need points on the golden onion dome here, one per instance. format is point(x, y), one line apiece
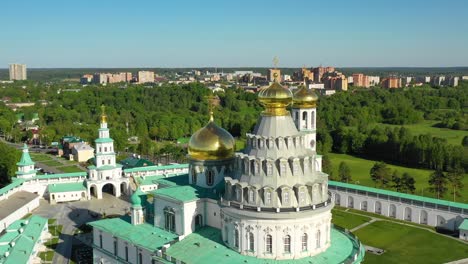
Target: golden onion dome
point(275, 98)
point(305, 98)
point(211, 142)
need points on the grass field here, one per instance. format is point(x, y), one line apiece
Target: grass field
point(347, 220)
point(67, 169)
point(405, 244)
point(360, 173)
point(427, 127)
point(40, 157)
point(52, 163)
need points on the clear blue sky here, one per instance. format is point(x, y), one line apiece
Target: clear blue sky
point(173, 33)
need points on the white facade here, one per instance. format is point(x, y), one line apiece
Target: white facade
point(298, 235)
point(19, 213)
point(105, 175)
point(305, 120)
point(399, 210)
point(18, 72)
point(61, 197)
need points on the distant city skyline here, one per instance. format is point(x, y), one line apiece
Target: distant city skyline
point(185, 34)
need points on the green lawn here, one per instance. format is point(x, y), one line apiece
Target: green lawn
point(40, 157)
point(55, 230)
point(347, 220)
point(360, 173)
point(67, 169)
point(427, 127)
point(405, 244)
point(52, 163)
point(47, 256)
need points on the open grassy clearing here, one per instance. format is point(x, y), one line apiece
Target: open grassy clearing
point(427, 127)
point(360, 173)
point(52, 163)
point(347, 220)
point(406, 244)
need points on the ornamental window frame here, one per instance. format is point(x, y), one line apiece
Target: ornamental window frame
point(287, 244)
point(169, 219)
point(268, 194)
point(269, 244)
point(251, 241)
point(269, 168)
point(210, 177)
point(283, 168)
point(304, 238)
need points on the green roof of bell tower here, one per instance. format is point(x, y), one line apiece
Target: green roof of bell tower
point(25, 158)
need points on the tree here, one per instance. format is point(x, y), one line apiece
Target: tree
point(455, 180)
point(344, 173)
point(8, 161)
point(465, 141)
point(407, 183)
point(380, 174)
point(327, 166)
point(438, 183)
point(396, 179)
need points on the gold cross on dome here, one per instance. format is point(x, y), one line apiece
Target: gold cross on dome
point(211, 104)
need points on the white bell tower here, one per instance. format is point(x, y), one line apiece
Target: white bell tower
point(304, 114)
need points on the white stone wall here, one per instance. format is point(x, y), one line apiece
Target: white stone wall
point(399, 210)
point(106, 253)
point(62, 197)
point(20, 212)
point(315, 225)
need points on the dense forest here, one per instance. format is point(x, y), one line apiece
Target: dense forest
point(348, 122)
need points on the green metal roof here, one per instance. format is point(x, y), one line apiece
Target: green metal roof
point(25, 158)
point(103, 140)
point(15, 182)
point(398, 194)
point(108, 167)
point(464, 225)
point(66, 187)
point(61, 175)
point(144, 236)
point(24, 242)
point(186, 193)
point(206, 246)
point(132, 162)
point(154, 168)
point(150, 180)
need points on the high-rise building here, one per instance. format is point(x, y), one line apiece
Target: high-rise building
point(361, 80)
point(17, 71)
point(320, 71)
point(274, 74)
point(336, 81)
point(391, 83)
point(145, 76)
point(374, 80)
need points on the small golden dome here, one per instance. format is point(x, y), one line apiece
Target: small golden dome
point(211, 142)
point(275, 98)
point(305, 98)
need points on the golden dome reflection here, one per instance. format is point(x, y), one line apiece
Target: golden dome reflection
point(211, 142)
point(305, 98)
point(275, 98)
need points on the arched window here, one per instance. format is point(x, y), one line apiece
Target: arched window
point(267, 197)
point(283, 168)
point(126, 253)
point(269, 244)
point(286, 197)
point(297, 116)
point(304, 242)
point(198, 221)
point(269, 166)
point(317, 239)
point(210, 178)
point(295, 168)
point(312, 120)
point(260, 143)
point(105, 149)
point(251, 242)
point(251, 196)
point(238, 194)
point(287, 244)
point(169, 217)
point(302, 198)
point(304, 115)
point(194, 176)
point(236, 238)
point(256, 168)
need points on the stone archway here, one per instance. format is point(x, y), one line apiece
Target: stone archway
point(109, 188)
point(123, 188)
point(337, 199)
point(364, 206)
point(392, 212)
point(93, 191)
point(350, 202)
point(408, 213)
point(378, 207)
point(423, 217)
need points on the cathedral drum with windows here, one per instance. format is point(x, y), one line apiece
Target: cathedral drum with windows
point(276, 203)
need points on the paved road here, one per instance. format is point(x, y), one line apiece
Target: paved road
point(71, 215)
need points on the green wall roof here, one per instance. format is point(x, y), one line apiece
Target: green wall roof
point(66, 187)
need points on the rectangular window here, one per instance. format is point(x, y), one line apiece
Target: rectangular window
point(269, 244)
point(286, 198)
point(267, 197)
point(283, 168)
